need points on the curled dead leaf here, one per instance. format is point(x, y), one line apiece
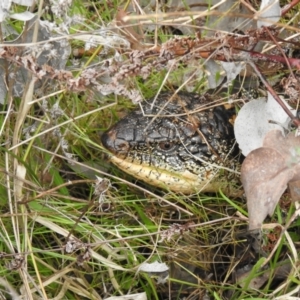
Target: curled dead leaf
point(294, 188)
point(266, 172)
point(288, 146)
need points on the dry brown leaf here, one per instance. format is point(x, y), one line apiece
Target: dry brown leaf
point(294, 188)
point(264, 177)
point(286, 145)
point(266, 173)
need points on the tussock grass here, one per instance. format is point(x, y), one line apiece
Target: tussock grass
point(67, 235)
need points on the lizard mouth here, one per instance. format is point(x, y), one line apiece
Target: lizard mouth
point(184, 182)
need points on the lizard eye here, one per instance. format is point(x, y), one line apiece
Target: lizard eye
point(166, 146)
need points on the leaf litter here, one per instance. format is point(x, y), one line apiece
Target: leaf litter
point(272, 156)
point(253, 122)
point(266, 173)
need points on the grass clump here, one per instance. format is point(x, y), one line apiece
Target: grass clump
point(73, 226)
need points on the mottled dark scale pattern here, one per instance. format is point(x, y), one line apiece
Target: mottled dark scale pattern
point(174, 136)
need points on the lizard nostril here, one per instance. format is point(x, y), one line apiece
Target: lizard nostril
point(114, 144)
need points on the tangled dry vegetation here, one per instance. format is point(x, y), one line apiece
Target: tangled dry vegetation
point(74, 227)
